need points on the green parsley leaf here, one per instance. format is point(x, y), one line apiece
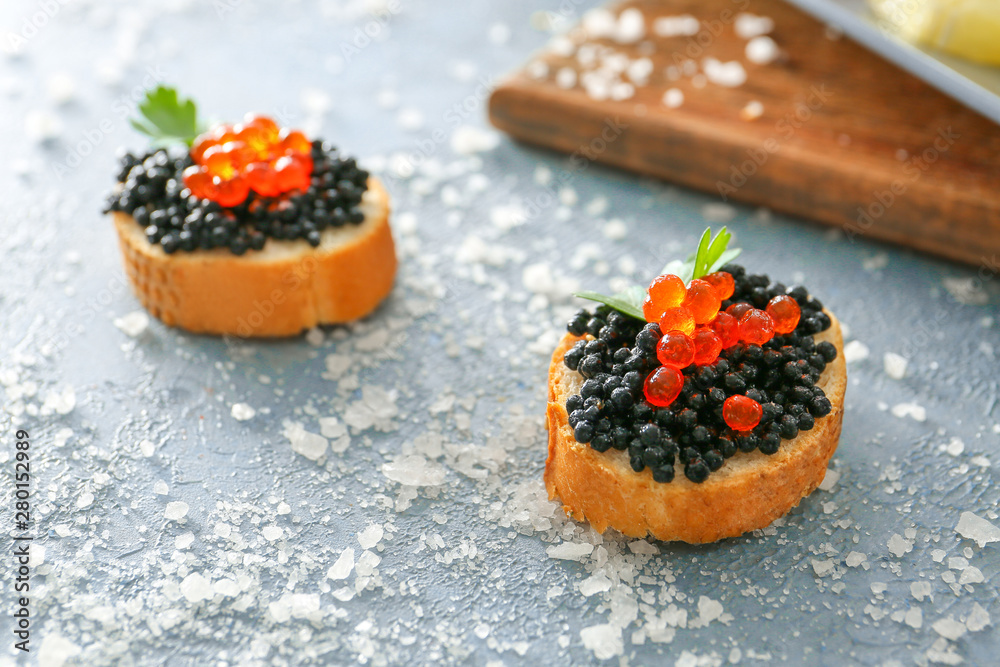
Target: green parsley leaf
point(167, 119)
point(710, 256)
point(628, 302)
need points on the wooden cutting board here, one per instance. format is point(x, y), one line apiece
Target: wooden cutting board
point(842, 137)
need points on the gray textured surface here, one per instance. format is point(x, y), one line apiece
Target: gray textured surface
point(464, 575)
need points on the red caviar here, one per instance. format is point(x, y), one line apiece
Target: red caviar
point(738, 308)
point(723, 282)
point(785, 313)
point(677, 319)
point(666, 291)
point(707, 345)
point(741, 413)
point(727, 328)
point(675, 349)
point(256, 154)
point(663, 386)
point(702, 300)
point(756, 327)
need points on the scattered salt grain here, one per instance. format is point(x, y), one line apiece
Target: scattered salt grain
point(599, 23)
point(343, 567)
point(414, 470)
point(566, 77)
point(914, 618)
point(196, 588)
point(605, 641)
point(899, 546)
point(643, 547)
point(147, 448)
point(371, 536)
point(469, 139)
point(55, 650)
point(310, 445)
point(855, 351)
point(570, 550)
point(242, 412)
point(673, 98)
point(949, 628)
point(920, 589)
point(822, 567)
point(978, 618)
point(410, 119)
point(830, 480)
point(912, 410)
point(974, 528)
point(160, 488)
point(175, 510)
point(85, 500)
point(631, 26)
point(272, 533)
point(748, 25)
point(762, 50)
point(684, 25)
point(594, 584)
point(182, 542)
point(894, 365)
point(709, 609)
point(133, 324)
point(499, 33)
point(967, 291)
point(855, 558)
point(955, 447)
point(753, 110)
point(729, 74)
point(718, 212)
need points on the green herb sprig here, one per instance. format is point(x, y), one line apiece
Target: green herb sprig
point(167, 119)
point(711, 255)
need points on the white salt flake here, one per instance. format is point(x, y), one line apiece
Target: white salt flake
point(343, 567)
point(272, 533)
point(949, 628)
point(615, 229)
point(147, 448)
point(894, 365)
point(85, 500)
point(182, 542)
point(643, 547)
point(855, 558)
point(729, 74)
point(822, 567)
point(673, 98)
point(920, 589)
point(978, 618)
point(684, 25)
point(242, 412)
point(414, 470)
point(912, 410)
point(748, 26)
point(371, 536)
point(709, 609)
point(605, 640)
point(830, 480)
point(914, 618)
point(762, 50)
point(974, 528)
point(310, 445)
point(196, 588)
point(366, 563)
point(226, 587)
point(133, 324)
point(595, 583)
point(971, 575)
point(631, 26)
point(175, 510)
point(855, 351)
point(160, 488)
point(899, 546)
point(55, 650)
point(469, 139)
point(955, 447)
point(570, 550)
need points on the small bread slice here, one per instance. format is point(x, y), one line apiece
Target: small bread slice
point(748, 492)
point(280, 290)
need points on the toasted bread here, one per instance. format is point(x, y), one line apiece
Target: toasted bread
point(279, 290)
point(749, 492)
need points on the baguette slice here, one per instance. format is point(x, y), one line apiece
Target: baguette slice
point(748, 492)
point(280, 290)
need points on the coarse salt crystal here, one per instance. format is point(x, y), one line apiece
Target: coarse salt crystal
point(343, 567)
point(570, 550)
point(175, 510)
point(469, 139)
point(371, 536)
point(912, 410)
point(242, 412)
point(684, 25)
point(729, 74)
point(762, 50)
point(605, 640)
point(133, 324)
point(749, 25)
point(894, 365)
point(975, 528)
point(899, 546)
point(673, 98)
point(855, 351)
point(753, 110)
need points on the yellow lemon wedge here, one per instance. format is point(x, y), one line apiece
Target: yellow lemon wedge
point(966, 28)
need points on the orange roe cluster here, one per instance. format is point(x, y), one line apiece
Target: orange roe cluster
point(257, 155)
point(695, 331)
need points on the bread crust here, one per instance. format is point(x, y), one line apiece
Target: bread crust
point(286, 287)
point(748, 492)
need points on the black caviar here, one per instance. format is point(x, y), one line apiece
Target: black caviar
point(152, 191)
point(611, 412)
